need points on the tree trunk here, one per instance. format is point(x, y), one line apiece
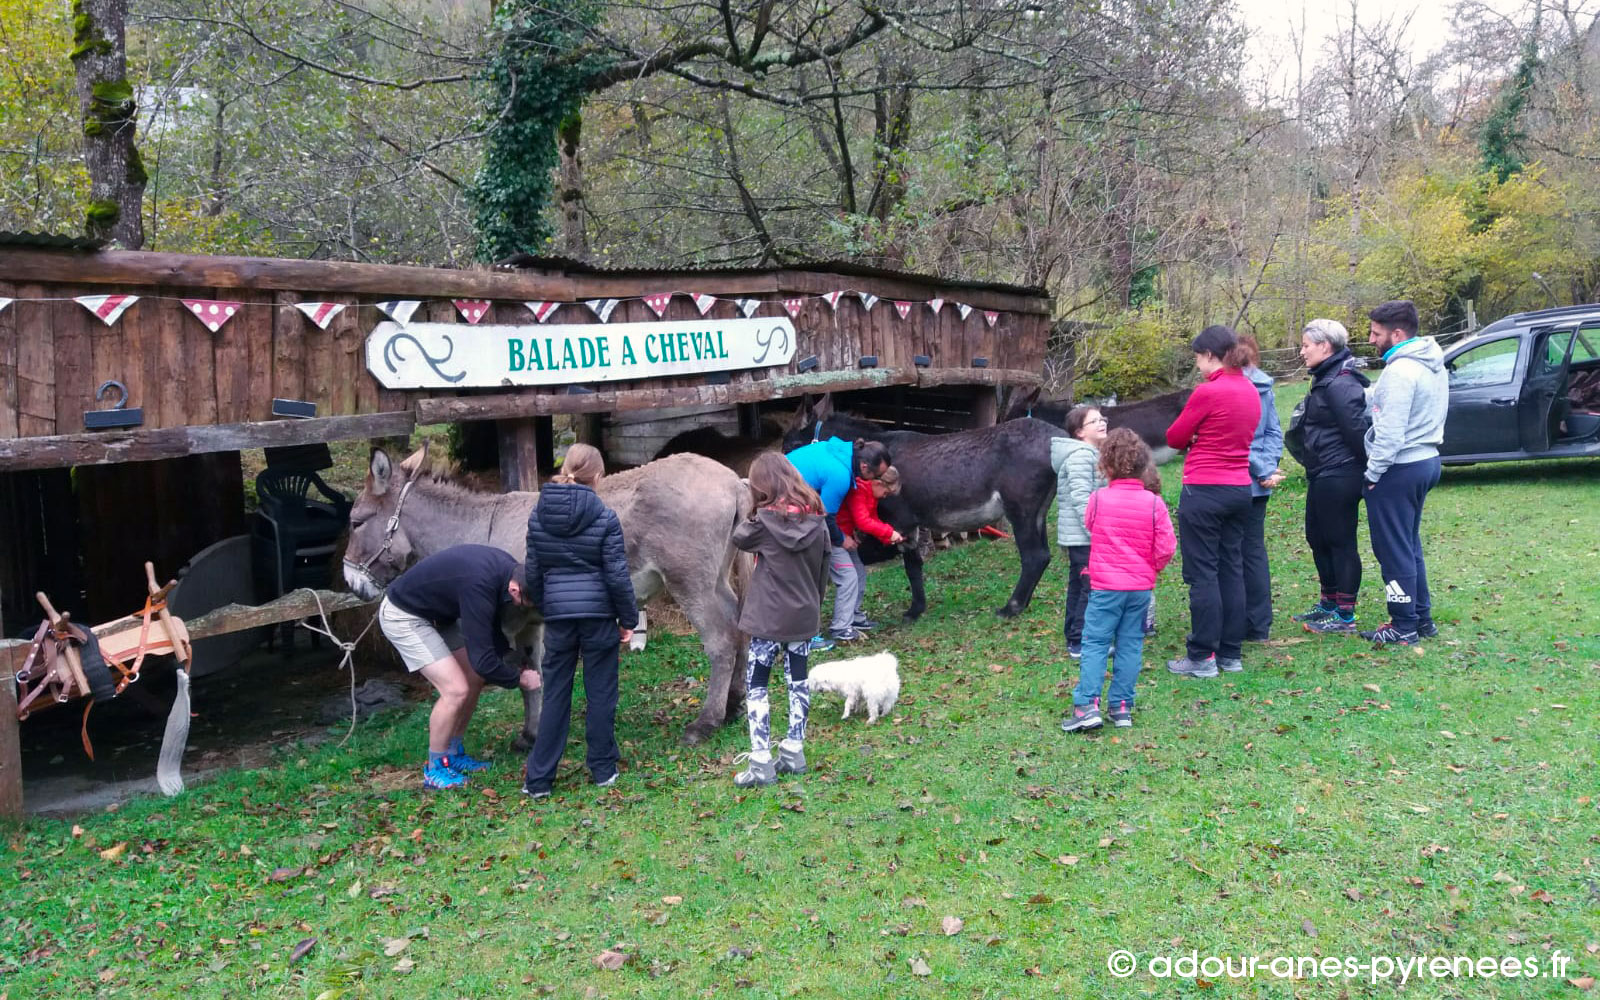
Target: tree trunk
point(574, 238)
point(106, 103)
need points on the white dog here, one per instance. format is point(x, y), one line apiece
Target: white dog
point(870, 680)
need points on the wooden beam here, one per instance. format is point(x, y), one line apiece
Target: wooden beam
point(110, 447)
point(10, 745)
point(507, 406)
point(930, 377)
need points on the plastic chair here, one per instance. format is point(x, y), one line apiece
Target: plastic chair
point(295, 534)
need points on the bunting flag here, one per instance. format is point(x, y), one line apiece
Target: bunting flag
point(749, 306)
point(108, 307)
point(472, 310)
point(704, 302)
point(542, 310)
point(793, 307)
point(990, 317)
point(399, 310)
point(903, 308)
point(4, 303)
point(602, 308)
point(833, 299)
point(212, 312)
point(936, 305)
point(964, 309)
point(657, 301)
point(868, 300)
point(320, 313)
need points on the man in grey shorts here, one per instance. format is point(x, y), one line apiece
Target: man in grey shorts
point(443, 615)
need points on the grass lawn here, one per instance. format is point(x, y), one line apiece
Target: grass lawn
point(1330, 801)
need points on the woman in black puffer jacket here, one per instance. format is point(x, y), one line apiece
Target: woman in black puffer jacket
point(1326, 436)
point(577, 576)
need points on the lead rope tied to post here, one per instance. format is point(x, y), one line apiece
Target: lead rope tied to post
point(346, 662)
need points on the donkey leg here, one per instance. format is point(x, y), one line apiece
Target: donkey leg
point(716, 619)
point(911, 559)
point(1033, 550)
point(640, 634)
point(532, 701)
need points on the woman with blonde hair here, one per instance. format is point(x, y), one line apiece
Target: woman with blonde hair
point(577, 576)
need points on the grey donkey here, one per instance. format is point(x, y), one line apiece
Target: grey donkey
point(678, 515)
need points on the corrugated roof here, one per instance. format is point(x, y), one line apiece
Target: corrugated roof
point(845, 267)
point(48, 241)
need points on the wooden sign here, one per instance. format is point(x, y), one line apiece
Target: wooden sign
point(457, 356)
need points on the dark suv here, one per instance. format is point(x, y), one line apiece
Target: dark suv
point(1527, 386)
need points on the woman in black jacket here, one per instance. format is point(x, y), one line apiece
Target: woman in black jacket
point(577, 575)
point(1326, 436)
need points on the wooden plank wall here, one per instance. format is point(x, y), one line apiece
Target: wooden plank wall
point(55, 354)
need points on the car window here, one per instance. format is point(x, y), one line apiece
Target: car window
point(1588, 347)
point(1486, 364)
point(1555, 349)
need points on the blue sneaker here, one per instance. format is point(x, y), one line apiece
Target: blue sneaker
point(440, 777)
point(465, 763)
point(821, 644)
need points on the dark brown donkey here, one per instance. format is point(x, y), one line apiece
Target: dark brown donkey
point(678, 516)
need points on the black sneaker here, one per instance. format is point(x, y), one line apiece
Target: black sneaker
point(1083, 717)
point(1075, 650)
point(863, 624)
point(847, 634)
point(1335, 625)
point(1318, 613)
point(1428, 630)
point(536, 793)
point(1388, 635)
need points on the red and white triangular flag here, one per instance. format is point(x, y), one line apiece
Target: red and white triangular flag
point(793, 307)
point(472, 310)
point(990, 317)
point(399, 310)
point(749, 306)
point(936, 305)
point(903, 308)
point(4, 303)
point(867, 300)
point(704, 302)
point(542, 310)
point(320, 313)
point(212, 312)
point(108, 307)
point(602, 307)
point(833, 299)
point(657, 301)
point(964, 309)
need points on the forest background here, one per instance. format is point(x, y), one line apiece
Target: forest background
point(1139, 159)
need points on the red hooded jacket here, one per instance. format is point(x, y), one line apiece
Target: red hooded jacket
point(859, 512)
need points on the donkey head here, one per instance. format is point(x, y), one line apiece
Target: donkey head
point(802, 429)
point(379, 549)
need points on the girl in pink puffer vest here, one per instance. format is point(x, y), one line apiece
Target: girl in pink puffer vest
point(1130, 543)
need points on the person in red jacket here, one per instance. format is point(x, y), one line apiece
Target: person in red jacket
point(1215, 428)
point(859, 513)
point(1130, 543)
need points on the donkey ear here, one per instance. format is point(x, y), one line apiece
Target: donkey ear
point(414, 462)
point(378, 472)
point(824, 408)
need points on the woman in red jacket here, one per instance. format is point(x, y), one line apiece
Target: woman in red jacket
point(859, 513)
point(1215, 428)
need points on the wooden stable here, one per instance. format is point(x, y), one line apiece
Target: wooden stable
point(78, 505)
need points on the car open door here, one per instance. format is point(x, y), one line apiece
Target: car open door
point(1541, 404)
point(1483, 398)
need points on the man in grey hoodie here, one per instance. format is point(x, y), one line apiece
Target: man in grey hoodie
point(1409, 404)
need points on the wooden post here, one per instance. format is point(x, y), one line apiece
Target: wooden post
point(10, 743)
point(544, 446)
point(519, 454)
point(985, 407)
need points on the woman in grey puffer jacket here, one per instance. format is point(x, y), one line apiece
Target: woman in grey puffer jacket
point(1076, 460)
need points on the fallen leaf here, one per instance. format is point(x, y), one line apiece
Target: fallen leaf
point(1309, 927)
point(114, 852)
point(1353, 894)
point(1038, 899)
point(1421, 809)
point(1032, 970)
point(1582, 982)
point(354, 890)
point(992, 940)
point(381, 891)
point(611, 960)
point(1502, 877)
point(395, 946)
point(1106, 841)
point(106, 975)
point(404, 966)
point(77, 831)
point(1501, 816)
point(1375, 689)
point(1542, 896)
point(920, 968)
point(1447, 734)
point(302, 949)
point(245, 851)
point(1413, 880)
point(952, 926)
point(283, 874)
point(997, 668)
point(1068, 859)
point(672, 900)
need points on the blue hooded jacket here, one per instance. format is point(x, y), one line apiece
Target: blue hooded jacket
point(825, 466)
point(1266, 448)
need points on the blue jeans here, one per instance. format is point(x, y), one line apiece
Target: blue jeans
point(1112, 615)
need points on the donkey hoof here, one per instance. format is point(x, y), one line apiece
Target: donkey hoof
point(694, 736)
point(523, 743)
point(910, 618)
point(1009, 611)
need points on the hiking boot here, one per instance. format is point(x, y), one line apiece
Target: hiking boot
point(755, 773)
point(1230, 666)
point(791, 761)
point(1336, 624)
point(820, 644)
point(863, 624)
point(1388, 635)
point(465, 763)
point(1122, 714)
point(536, 793)
point(1427, 629)
point(846, 634)
point(1185, 667)
point(1075, 650)
point(1083, 717)
point(440, 777)
point(1318, 613)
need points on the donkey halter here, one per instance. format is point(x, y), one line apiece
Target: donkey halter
point(391, 527)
